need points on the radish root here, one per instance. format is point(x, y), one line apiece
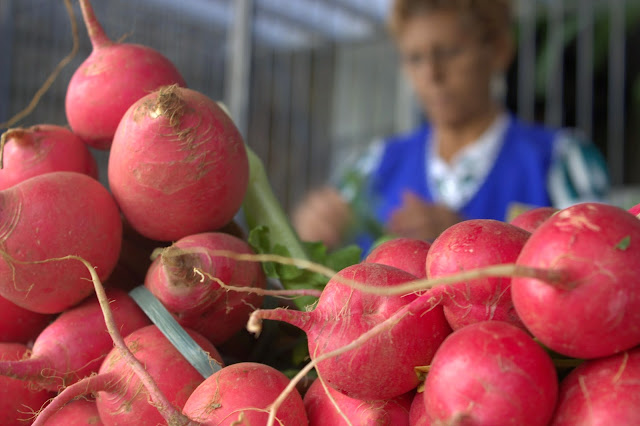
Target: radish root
point(173, 416)
point(48, 82)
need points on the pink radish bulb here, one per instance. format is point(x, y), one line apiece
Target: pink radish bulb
point(55, 215)
point(594, 311)
point(19, 325)
point(177, 166)
point(604, 391)
point(418, 415)
point(192, 297)
point(110, 80)
point(408, 254)
point(383, 366)
point(531, 219)
point(81, 412)
point(469, 245)
point(241, 394)
point(491, 373)
point(19, 399)
point(75, 344)
point(42, 149)
point(635, 210)
point(121, 397)
point(321, 411)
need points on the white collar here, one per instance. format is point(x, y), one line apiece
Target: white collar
point(455, 183)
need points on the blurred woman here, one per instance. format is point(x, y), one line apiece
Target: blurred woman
point(470, 157)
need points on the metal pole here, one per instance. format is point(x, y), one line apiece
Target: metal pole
point(554, 111)
point(527, 59)
point(584, 69)
point(239, 48)
point(616, 110)
point(6, 47)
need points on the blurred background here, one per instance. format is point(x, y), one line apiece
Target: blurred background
point(312, 82)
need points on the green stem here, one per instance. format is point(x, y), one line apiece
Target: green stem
point(261, 208)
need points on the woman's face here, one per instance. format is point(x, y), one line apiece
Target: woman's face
point(450, 66)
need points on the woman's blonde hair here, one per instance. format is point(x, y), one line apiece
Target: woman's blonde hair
point(492, 17)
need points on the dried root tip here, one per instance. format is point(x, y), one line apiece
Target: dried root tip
point(169, 104)
point(254, 325)
point(179, 266)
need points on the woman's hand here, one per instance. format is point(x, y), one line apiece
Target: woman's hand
point(322, 216)
point(419, 219)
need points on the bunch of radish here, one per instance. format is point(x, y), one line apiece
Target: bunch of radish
point(530, 322)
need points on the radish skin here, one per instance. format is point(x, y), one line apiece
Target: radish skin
point(49, 216)
point(75, 344)
point(321, 410)
point(19, 325)
point(604, 391)
point(19, 399)
point(470, 245)
point(382, 366)
point(42, 149)
point(81, 412)
point(121, 397)
point(109, 81)
point(491, 373)
point(595, 311)
point(408, 254)
point(241, 394)
point(177, 165)
point(530, 220)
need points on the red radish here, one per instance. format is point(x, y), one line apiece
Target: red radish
point(491, 373)
point(178, 165)
point(110, 80)
point(408, 254)
point(18, 398)
point(81, 412)
point(75, 344)
point(240, 394)
point(635, 210)
point(469, 245)
point(121, 397)
point(418, 415)
point(321, 410)
point(531, 219)
point(200, 303)
point(382, 366)
point(595, 310)
point(19, 325)
point(603, 391)
point(42, 149)
point(54, 215)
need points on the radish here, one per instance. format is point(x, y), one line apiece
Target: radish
point(49, 216)
point(603, 391)
point(469, 245)
point(121, 397)
point(177, 165)
point(109, 81)
point(75, 344)
point(635, 210)
point(191, 298)
point(41, 149)
point(240, 394)
point(18, 398)
point(408, 254)
point(19, 325)
point(81, 412)
point(531, 219)
point(595, 310)
point(491, 373)
point(418, 415)
point(321, 403)
point(382, 366)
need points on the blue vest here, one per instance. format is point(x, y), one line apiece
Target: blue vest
point(519, 174)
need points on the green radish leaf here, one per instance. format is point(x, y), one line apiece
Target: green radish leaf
point(624, 243)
